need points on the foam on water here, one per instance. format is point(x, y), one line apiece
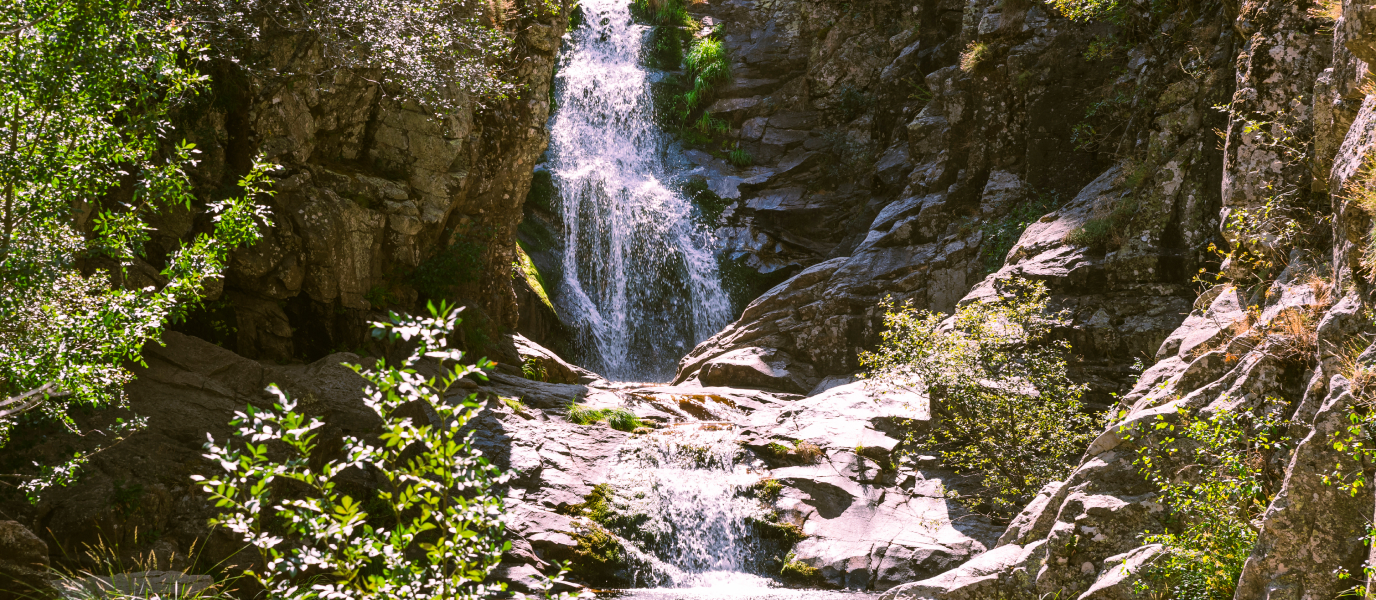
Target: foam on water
point(640, 283)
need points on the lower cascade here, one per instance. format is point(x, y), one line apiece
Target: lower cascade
point(684, 496)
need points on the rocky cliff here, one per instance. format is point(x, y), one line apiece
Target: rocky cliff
point(378, 204)
point(1186, 178)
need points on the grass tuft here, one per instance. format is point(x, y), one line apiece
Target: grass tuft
point(975, 55)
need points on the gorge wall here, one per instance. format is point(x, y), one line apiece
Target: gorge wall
point(377, 203)
point(899, 143)
point(919, 150)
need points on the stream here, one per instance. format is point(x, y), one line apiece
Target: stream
point(640, 288)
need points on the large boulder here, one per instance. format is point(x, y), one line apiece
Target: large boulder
point(759, 368)
point(24, 571)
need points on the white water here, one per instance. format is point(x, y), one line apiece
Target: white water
point(640, 283)
point(690, 490)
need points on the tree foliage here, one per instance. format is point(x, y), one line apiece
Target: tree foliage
point(435, 527)
point(1005, 411)
point(441, 54)
point(86, 157)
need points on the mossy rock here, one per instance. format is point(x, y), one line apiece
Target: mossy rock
point(799, 573)
point(599, 558)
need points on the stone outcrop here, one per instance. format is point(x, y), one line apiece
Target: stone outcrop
point(933, 169)
point(23, 563)
point(379, 204)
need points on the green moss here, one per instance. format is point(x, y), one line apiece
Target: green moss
point(799, 573)
point(770, 528)
point(515, 404)
point(532, 275)
point(1107, 232)
point(776, 449)
point(768, 490)
point(598, 557)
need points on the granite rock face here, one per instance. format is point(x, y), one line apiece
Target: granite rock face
point(378, 203)
point(886, 170)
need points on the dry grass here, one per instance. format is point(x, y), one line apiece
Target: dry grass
point(1361, 376)
point(1326, 10)
point(974, 55)
point(809, 452)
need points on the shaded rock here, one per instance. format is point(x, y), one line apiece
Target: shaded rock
point(23, 564)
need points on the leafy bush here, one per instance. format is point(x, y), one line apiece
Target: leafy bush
point(1087, 10)
point(1210, 475)
point(662, 12)
point(1007, 413)
point(665, 47)
point(88, 89)
point(439, 530)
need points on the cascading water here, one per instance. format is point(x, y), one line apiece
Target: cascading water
point(640, 283)
point(686, 495)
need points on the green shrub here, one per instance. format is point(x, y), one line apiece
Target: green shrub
point(1210, 473)
point(1006, 411)
point(439, 529)
point(672, 13)
point(1088, 10)
point(768, 489)
point(665, 47)
point(1000, 235)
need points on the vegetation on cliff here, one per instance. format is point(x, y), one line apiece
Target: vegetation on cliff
point(93, 167)
point(1007, 416)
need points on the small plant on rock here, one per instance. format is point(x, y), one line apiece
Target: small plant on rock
point(974, 56)
point(439, 530)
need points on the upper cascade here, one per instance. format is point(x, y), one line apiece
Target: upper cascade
point(640, 283)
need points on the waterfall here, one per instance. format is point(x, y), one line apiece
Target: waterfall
point(640, 284)
point(687, 500)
